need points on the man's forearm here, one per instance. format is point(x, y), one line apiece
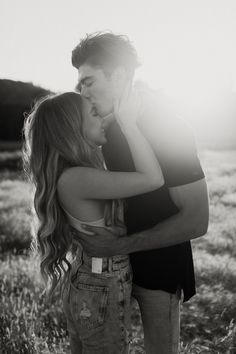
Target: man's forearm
point(174, 230)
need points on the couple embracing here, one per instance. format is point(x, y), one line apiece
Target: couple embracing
point(119, 194)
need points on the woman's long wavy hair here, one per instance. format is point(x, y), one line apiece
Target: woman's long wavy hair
point(55, 141)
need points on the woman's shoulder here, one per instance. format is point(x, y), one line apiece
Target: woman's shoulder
point(74, 175)
point(75, 171)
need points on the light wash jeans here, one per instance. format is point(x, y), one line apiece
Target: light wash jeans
point(161, 320)
point(97, 307)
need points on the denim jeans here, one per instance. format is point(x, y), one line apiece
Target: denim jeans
point(97, 307)
point(160, 318)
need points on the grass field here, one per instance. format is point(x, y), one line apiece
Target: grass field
point(29, 324)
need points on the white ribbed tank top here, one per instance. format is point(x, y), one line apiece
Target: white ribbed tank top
point(77, 224)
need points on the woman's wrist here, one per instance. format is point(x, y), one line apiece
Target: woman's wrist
point(128, 126)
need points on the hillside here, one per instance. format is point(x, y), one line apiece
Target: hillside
point(18, 92)
point(16, 99)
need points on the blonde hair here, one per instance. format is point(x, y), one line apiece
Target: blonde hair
point(55, 141)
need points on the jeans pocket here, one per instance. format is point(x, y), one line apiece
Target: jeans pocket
point(88, 304)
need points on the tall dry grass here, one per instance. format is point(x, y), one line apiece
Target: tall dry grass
point(30, 324)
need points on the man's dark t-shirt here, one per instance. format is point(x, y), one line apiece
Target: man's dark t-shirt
point(167, 268)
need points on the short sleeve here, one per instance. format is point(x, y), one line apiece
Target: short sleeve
point(177, 154)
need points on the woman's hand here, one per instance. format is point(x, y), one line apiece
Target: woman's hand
point(128, 107)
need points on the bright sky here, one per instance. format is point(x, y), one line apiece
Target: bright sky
point(181, 44)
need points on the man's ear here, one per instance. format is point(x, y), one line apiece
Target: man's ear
point(119, 75)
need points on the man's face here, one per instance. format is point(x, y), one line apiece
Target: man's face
point(97, 88)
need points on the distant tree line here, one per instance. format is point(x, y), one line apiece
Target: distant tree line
point(16, 100)
point(214, 122)
point(11, 121)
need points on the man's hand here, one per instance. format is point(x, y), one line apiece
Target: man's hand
point(98, 241)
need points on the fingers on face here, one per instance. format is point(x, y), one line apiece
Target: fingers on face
point(124, 97)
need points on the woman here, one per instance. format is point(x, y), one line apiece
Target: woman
point(62, 155)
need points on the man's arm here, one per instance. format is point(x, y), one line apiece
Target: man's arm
point(189, 223)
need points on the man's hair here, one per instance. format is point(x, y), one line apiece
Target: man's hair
point(106, 50)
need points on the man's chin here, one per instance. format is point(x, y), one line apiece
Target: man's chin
point(101, 142)
point(104, 141)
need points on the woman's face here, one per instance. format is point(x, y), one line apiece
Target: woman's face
point(93, 126)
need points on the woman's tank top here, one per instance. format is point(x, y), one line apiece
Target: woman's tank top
point(96, 263)
point(77, 224)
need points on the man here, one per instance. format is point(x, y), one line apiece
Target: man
point(160, 224)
